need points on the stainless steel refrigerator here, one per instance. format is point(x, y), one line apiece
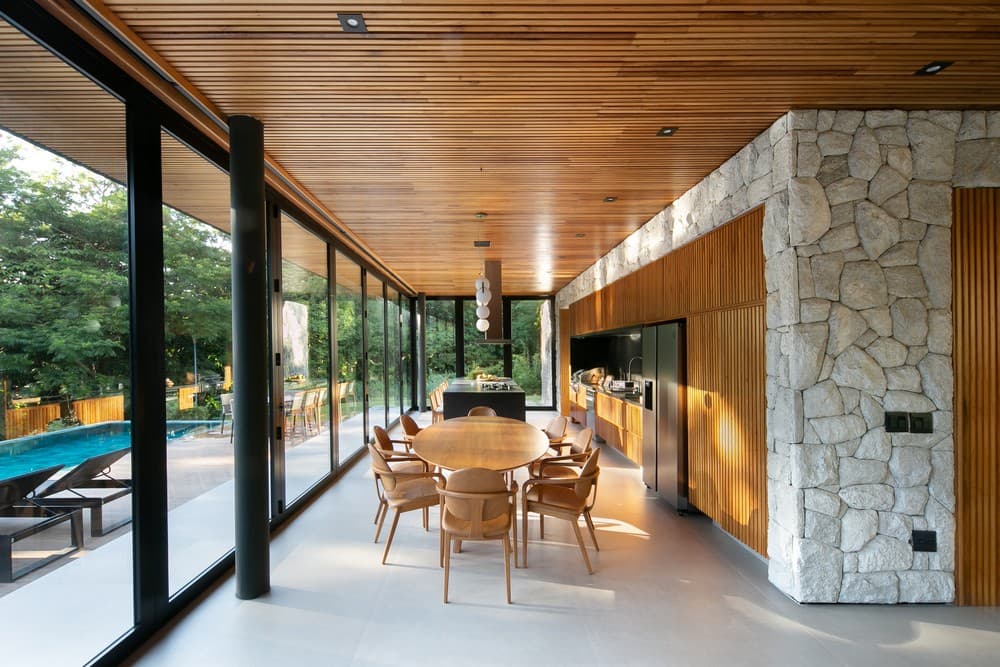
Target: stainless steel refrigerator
point(664, 414)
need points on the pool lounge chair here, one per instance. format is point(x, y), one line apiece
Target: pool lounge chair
point(89, 485)
point(17, 502)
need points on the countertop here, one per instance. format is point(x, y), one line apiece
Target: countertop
point(634, 399)
point(472, 387)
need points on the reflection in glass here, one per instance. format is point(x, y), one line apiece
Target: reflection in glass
point(394, 383)
point(376, 353)
point(350, 353)
point(198, 356)
point(305, 323)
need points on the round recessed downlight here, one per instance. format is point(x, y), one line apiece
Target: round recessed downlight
point(353, 22)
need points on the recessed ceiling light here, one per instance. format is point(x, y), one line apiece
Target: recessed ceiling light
point(933, 68)
point(481, 244)
point(481, 215)
point(667, 132)
point(610, 199)
point(352, 22)
point(580, 235)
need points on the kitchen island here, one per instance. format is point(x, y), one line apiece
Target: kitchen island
point(506, 398)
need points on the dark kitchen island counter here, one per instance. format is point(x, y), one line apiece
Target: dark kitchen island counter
point(462, 395)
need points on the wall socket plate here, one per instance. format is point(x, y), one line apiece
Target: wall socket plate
point(921, 422)
point(897, 422)
point(924, 540)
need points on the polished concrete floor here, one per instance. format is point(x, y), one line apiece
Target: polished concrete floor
point(667, 590)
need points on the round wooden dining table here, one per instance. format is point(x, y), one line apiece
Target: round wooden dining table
point(496, 443)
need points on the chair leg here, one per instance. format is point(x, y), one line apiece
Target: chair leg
point(524, 534)
point(426, 514)
point(583, 549)
point(593, 534)
point(513, 531)
point(447, 568)
point(378, 512)
point(506, 563)
point(541, 526)
point(385, 510)
point(440, 547)
point(392, 532)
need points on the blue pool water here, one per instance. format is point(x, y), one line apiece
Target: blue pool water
point(75, 445)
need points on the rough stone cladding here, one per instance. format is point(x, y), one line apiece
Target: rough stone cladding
point(857, 247)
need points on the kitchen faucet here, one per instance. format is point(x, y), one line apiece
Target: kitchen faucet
point(630, 366)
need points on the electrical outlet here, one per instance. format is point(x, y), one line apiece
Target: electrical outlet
point(924, 540)
point(897, 422)
point(921, 422)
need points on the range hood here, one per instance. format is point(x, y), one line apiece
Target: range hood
point(494, 334)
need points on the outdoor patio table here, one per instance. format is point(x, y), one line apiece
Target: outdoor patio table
point(497, 443)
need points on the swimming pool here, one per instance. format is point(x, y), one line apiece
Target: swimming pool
point(74, 445)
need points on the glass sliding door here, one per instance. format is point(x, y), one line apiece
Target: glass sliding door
point(394, 381)
point(305, 359)
point(65, 373)
point(531, 332)
point(198, 355)
point(439, 331)
point(349, 397)
point(406, 353)
point(375, 331)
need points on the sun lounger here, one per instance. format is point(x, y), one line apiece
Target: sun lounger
point(89, 485)
point(17, 502)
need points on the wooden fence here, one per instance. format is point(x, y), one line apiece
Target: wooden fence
point(32, 419)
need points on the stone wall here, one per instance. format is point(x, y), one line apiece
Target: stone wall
point(857, 246)
point(858, 268)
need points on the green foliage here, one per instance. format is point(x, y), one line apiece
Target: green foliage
point(64, 286)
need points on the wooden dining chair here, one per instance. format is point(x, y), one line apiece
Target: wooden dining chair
point(402, 492)
point(564, 499)
point(482, 411)
point(477, 504)
point(569, 463)
point(410, 429)
point(437, 410)
point(555, 430)
point(398, 461)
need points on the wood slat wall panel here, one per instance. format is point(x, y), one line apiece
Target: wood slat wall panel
point(722, 269)
point(975, 251)
point(101, 409)
point(716, 282)
point(29, 420)
point(565, 326)
point(727, 452)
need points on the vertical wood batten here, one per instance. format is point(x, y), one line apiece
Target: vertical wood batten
point(716, 283)
point(976, 307)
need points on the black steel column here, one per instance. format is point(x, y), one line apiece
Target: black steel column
point(421, 352)
point(251, 360)
point(149, 412)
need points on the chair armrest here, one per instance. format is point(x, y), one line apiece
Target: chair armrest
point(540, 481)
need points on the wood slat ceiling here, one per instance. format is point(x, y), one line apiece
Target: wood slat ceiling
point(534, 111)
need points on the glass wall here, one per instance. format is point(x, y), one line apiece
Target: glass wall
point(531, 332)
point(198, 355)
point(375, 330)
point(305, 358)
point(440, 341)
point(394, 381)
point(65, 373)
point(480, 359)
point(406, 353)
point(350, 358)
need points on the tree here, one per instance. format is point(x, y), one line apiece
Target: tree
point(64, 286)
point(63, 281)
